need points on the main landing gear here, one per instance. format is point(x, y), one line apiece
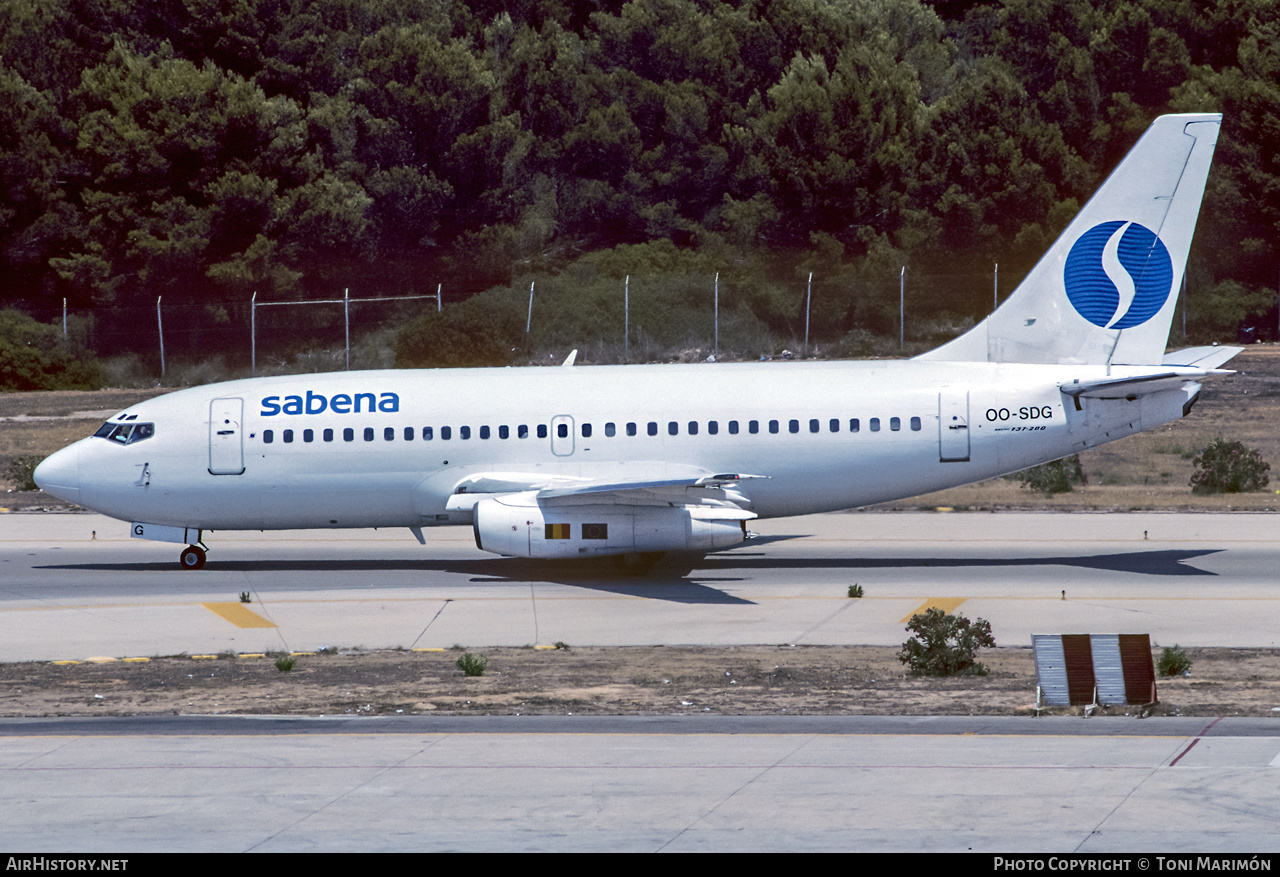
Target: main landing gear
point(192, 557)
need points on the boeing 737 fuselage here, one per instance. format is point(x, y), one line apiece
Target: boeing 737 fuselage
point(639, 460)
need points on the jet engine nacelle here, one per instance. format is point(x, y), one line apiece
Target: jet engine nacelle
point(533, 530)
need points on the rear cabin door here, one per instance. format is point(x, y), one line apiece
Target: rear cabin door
point(226, 437)
point(953, 425)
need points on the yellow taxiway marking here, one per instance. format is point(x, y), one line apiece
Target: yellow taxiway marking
point(946, 604)
point(237, 614)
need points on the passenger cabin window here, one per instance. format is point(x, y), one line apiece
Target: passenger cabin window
point(586, 430)
point(389, 434)
point(895, 423)
point(693, 427)
point(446, 433)
point(773, 426)
point(834, 425)
point(915, 424)
point(753, 426)
point(484, 432)
point(268, 436)
point(308, 435)
point(814, 425)
point(610, 430)
point(522, 431)
point(427, 433)
point(653, 427)
point(348, 435)
point(504, 432)
point(368, 433)
point(854, 425)
point(464, 432)
point(631, 429)
point(673, 428)
point(408, 433)
point(712, 427)
point(328, 435)
point(733, 427)
point(288, 436)
point(875, 424)
point(542, 430)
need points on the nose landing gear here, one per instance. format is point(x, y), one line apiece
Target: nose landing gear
point(192, 557)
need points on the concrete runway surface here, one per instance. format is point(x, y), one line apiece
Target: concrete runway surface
point(1162, 786)
point(1000, 786)
point(1195, 580)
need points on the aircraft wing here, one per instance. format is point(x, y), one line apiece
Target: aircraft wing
point(560, 490)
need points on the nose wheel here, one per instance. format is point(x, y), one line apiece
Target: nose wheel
point(192, 557)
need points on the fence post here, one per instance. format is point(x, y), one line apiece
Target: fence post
point(253, 335)
point(902, 309)
point(346, 322)
point(626, 319)
point(160, 327)
point(717, 308)
point(529, 320)
point(808, 300)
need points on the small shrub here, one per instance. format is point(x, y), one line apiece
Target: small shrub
point(855, 590)
point(946, 644)
point(21, 472)
point(244, 597)
point(560, 644)
point(473, 665)
point(1228, 467)
point(1172, 662)
point(1055, 477)
point(285, 663)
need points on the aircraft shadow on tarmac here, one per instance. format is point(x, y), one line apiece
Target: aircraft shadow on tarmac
point(678, 579)
point(1169, 562)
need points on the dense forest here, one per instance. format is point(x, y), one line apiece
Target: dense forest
point(205, 150)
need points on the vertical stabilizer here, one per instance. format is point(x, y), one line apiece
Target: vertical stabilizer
point(1105, 292)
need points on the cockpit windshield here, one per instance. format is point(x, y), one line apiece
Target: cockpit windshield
point(126, 433)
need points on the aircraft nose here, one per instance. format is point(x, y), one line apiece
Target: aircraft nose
point(59, 474)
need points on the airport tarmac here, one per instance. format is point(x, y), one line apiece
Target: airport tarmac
point(1068, 786)
point(74, 586)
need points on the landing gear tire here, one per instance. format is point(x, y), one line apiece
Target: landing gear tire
point(192, 557)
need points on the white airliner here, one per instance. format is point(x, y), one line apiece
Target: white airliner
point(634, 461)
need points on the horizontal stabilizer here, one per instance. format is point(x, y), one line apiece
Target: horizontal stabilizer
point(1201, 357)
point(1133, 387)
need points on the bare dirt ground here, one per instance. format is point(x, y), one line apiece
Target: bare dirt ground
point(748, 680)
point(1150, 471)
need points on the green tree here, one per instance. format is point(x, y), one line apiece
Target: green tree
point(33, 356)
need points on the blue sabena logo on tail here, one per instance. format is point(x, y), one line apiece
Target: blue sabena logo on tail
point(1118, 274)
